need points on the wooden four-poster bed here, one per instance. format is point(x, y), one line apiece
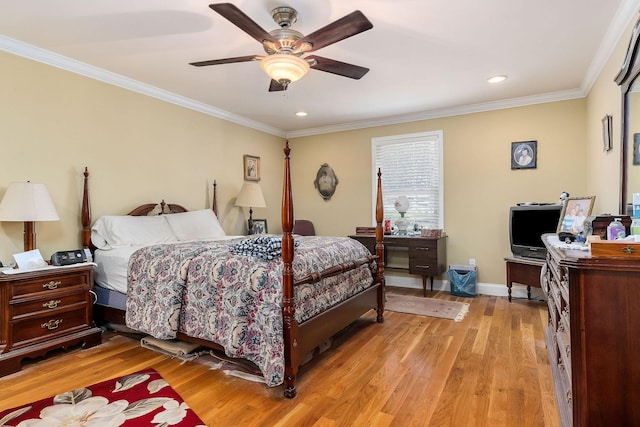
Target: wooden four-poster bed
point(299, 336)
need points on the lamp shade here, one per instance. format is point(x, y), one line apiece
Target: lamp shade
point(284, 67)
point(250, 196)
point(27, 201)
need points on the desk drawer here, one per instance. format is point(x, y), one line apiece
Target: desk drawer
point(424, 258)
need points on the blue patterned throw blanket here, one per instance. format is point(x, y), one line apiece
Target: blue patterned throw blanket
point(266, 247)
point(205, 291)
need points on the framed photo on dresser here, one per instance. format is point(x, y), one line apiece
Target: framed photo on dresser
point(574, 212)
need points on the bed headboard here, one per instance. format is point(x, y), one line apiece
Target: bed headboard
point(142, 210)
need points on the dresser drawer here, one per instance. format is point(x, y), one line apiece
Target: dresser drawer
point(47, 325)
point(23, 288)
point(53, 301)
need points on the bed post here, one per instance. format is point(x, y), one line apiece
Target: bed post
point(380, 249)
point(290, 326)
point(86, 212)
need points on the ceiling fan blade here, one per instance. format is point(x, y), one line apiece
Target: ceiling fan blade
point(224, 61)
point(347, 26)
point(337, 67)
point(276, 87)
point(242, 21)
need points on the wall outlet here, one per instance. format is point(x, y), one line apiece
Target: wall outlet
point(472, 261)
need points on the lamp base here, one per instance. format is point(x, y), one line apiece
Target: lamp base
point(29, 236)
point(250, 222)
point(403, 224)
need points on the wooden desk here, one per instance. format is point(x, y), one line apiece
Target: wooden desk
point(525, 271)
point(427, 256)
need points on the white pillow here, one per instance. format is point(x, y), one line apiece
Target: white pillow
point(195, 225)
point(118, 231)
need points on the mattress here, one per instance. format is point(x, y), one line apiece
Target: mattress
point(112, 265)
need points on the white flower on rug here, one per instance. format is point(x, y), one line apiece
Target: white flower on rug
point(172, 414)
point(94, 411)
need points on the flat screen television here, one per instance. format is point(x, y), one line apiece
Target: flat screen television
point(527, 223)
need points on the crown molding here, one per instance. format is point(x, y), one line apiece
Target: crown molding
point(444, 112)
point(59, 61)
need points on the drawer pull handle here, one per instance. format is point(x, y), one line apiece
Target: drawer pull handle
point(52, 284)
point(422, 249)
point(52, 324)
point(423, 266)
point(51, 304)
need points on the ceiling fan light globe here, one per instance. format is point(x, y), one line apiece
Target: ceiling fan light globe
point(283, 67)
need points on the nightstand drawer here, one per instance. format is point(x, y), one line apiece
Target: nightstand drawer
point(52, 302)
point(45, 284)
point(45, 325)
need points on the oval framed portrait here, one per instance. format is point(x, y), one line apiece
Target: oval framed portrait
point(326, 181)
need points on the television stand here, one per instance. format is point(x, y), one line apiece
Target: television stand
point(525, 271)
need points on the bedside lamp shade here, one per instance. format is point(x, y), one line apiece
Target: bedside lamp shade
point(250, 196)
point(28, 202)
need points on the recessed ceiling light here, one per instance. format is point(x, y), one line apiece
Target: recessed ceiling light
point(301, 113)
point(497, 79)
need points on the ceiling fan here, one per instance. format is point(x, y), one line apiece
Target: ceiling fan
point(284, 62)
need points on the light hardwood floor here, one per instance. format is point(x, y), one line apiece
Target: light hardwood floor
point(491, 369)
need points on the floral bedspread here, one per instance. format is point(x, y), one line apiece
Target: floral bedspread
point(205, 291)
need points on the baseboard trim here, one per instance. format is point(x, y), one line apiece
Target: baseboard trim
point(493, 289)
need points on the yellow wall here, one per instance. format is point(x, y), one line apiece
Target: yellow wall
point(138, 149)
point(479, 183)
point(605, 97)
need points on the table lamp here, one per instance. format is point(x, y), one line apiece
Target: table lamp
point(250, 196)
point(28, 202)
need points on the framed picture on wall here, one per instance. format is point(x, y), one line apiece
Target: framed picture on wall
point(251, 168)
point(636, 148)
point(524, 155)
point(606, 132)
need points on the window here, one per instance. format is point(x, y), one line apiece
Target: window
point(411, 166)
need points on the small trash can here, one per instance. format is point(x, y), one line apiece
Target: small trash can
point(462, 279)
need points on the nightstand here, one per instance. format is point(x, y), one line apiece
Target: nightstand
point(45, 310)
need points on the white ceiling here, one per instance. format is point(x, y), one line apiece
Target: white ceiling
point(427, 58)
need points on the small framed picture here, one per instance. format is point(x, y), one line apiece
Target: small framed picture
point(636, 148)
point(260, 226)
point(524, 155)
point(574, 212)
point(251, 168)
point(606, 132)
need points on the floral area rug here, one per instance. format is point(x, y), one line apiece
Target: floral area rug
point(140, 399)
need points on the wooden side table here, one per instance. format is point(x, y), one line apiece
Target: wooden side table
point(43, 310)
point(525, 271)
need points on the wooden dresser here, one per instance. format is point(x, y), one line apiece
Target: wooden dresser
point(45, 310)
point(593, 335)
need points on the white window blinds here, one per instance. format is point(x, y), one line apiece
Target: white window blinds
point(411, 166)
